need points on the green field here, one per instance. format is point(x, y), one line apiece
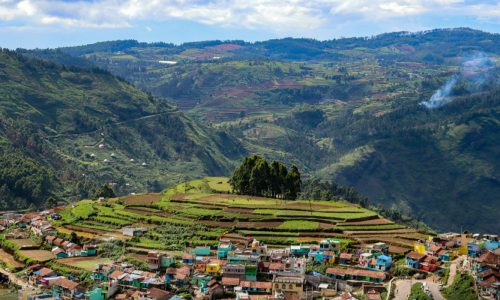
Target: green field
point(193, 213)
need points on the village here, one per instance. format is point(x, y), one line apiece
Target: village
point(239, 266)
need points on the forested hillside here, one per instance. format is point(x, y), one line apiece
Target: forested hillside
point(348, 110)
point(64, 132)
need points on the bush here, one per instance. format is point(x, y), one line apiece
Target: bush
point(462, 288)
point(417, 293)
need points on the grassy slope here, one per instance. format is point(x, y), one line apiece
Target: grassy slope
point(59, 116)
point(205, 210)
point(256, 91)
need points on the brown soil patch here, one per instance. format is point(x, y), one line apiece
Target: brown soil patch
point(248, 225)
point(9, 260)
point(145, 199)
point(38, 255)
point(239, 210)
point(178, 197)
point(379, 232)
point(379, 221)
point(24, 243)
point(139, 257)
point(326, 226)
point(147, 212)
point(85, 229)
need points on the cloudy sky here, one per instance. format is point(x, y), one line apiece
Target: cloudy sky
point(52, 23)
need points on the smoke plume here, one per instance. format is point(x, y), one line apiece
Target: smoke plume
point(474, 72)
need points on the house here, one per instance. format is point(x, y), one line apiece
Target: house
point(157, 294)
point(276, 267)
point(328, 257)
point(182, 275)
point(443, 255)
point(257, 287)
point(250, 272)
point(201, 251)
point(223, 249)
point(365, 259)
point(288, 286)
point(134, 231)
point(234, 271)
point(201, 280)
point(89, 250)
point(329, 245)
point(187, 259)
point(74, 250)
point(383, 263)
point(489, 283)
point(57, 242)
point(64, 288)
point(355, 274)
point(59, 253)
point(472, 249)
point(44, 272)
point(430, 263)
point(159, 260)
point(299, 250)
point(200, 264)
point(50, 239)
point(413, 259)
point(154, 260)
point(229, 283)
point(213, 268)
point(433, 249)
point(215, 290)
point(345, 258)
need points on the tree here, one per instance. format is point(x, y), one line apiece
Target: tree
point(292, 183)
point(106, 192)
point(256, 177)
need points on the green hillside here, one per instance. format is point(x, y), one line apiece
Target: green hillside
point(76, 130)
point(205, 210)
point(345, 110)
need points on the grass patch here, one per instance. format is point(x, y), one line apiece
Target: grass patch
point(461, 288)
point(417, 292)
point(298, 225)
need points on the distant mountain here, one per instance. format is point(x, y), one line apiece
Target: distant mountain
point(75, 130)
point(346, 110)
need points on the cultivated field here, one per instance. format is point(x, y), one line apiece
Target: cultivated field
point(38, 255)
point(9, 260)
point(85, 263)
point(199, 212)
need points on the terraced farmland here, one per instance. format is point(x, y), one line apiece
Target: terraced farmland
point(198, 212)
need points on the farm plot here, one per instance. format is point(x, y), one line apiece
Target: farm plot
point(24, 243)
point(37, 255)
point(143, 200)
point(87, 263)
point(9, 260)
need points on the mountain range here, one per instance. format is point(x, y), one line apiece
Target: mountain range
point(146, 115)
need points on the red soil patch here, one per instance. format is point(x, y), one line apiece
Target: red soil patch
point(225, 47)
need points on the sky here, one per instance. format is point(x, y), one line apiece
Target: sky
point(56, 23)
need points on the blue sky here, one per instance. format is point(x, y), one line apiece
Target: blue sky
point(53, 23)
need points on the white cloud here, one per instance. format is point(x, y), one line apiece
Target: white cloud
point(274, 15)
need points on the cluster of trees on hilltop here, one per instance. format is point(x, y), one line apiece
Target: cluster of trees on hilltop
point(256, 177)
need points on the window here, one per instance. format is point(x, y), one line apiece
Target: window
point(283, 286)
point(276, 285)
point(290, 286)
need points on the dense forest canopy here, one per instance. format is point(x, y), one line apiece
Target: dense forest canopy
point(256, 177)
